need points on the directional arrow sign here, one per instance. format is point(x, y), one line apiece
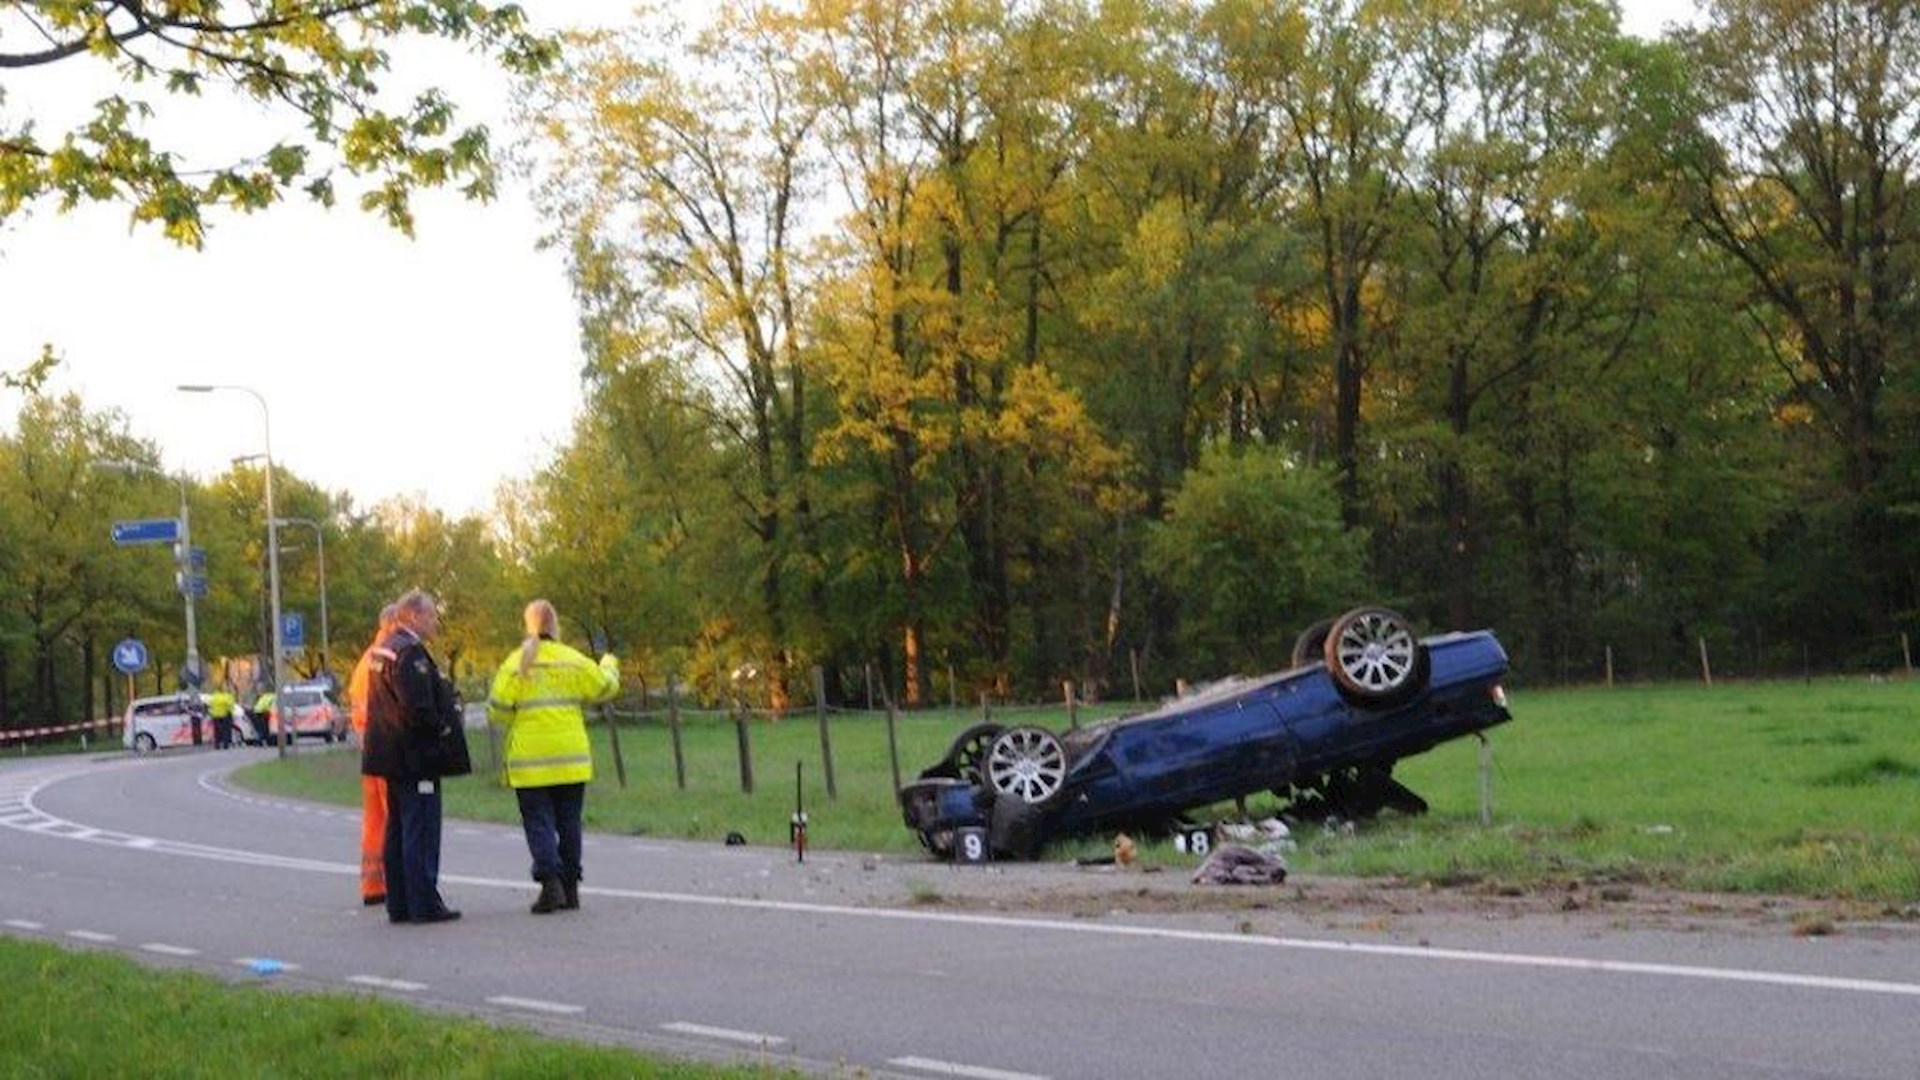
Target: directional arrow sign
point(149, 531)
point(130, 655)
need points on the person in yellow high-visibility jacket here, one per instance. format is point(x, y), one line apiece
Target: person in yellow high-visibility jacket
point(373, 789)
point(220, 706)
point(539, 698)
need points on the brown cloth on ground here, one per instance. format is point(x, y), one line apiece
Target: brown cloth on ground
point(1237, 864)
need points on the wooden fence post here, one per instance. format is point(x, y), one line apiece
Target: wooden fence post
point(746, 747)
point(1609, 666)
point(673, 729)
point(893, 739)
point(1706, 669)
point(1486, 779)
point(1073, 710)
point(1906, 653)
point(1133, 657)
point(826, 738)
point(986, 707)
point(869, 669)
point(953, 692)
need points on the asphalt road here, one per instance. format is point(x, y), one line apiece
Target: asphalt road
point(831, 967)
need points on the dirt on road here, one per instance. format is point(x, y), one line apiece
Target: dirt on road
point(1356, 905)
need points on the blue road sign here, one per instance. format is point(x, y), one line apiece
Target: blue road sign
point(130, 655)
point(293, 630)
point(194, 585)
point(197, 560)
point(147, 531)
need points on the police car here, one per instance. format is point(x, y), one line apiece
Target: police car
point(152, 723)
point(307, 708)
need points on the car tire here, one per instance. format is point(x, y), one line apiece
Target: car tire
point(966, 756)
point(1028, 763)
point(1015, 831)
point(1311, 645)
point(143, 743)
point(1375, 658)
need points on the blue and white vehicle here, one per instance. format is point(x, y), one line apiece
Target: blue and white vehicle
point(1363, 692)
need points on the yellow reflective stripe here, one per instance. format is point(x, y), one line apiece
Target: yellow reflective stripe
point(549, 702)
point(503, 706)
point(549, 762)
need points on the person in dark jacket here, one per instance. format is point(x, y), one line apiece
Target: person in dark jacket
point(406, 699)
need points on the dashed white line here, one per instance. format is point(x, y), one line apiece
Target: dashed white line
point(91, 935)
point(948, 1068)
point(537, 1005)
point(26, 924)
point(169, 950)
point(386, 984)
point(751, 1038)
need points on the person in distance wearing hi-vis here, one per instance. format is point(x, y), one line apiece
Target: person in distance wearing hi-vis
point(539, 696)
point(373, 789)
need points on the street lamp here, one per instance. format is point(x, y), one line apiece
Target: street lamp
point(320, 542)
point(190, 672)
point(273, 534)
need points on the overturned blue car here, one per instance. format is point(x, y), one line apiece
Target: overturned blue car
point(1363, 692)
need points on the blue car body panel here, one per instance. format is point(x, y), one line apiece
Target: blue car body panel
point(1233, 739)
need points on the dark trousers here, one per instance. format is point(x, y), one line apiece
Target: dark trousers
point(223, 731)
point(550, 816)
point(412, 849)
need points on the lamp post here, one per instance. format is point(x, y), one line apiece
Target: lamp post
point(273, 533)
point(320, 543)
point(190, 671)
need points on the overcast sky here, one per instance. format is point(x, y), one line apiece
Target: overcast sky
point(438, 366)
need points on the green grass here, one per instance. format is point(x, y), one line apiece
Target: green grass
point(1766, 787)
point(91, 1014)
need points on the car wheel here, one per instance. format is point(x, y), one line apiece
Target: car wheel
point(1311, 645)
point(966, 758)
point(1014, 831)
point(1374, 657)
point(1028, 763)
point(143, 743)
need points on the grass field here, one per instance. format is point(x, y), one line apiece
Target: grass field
point(82, 1014)
point(1805, 789)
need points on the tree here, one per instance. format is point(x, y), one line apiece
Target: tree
point(1801, 170)
point(679, 182)
point(1254, 544)
point(318, 62)
point(64, 574)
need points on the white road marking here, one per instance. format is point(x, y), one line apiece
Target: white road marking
point(730, 1035)
point(1028, 926)
point(169, 950)
point(91, 935)
point(948, 1068)
point(386, 984)
point(26, 924)
point(537, 1005)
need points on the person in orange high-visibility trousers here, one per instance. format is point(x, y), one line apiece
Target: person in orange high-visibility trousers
point(373, 789)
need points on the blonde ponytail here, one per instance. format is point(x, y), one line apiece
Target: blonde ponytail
point(539, 618)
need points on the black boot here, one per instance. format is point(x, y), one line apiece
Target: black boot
point(570, 887)
point(551, 897)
